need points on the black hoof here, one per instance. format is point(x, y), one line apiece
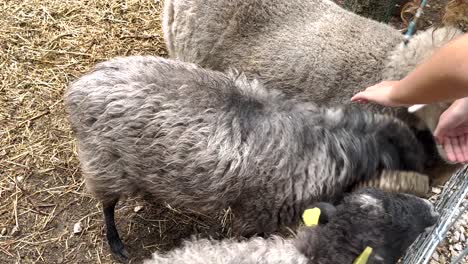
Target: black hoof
point(119, 251)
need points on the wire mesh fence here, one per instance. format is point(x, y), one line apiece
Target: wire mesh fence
point(451, 204)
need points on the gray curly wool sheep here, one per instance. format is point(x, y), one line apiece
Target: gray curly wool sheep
point(388, 223)
point(201, 139)
point(290, 45)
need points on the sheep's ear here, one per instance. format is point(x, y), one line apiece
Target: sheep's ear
point(321, 213)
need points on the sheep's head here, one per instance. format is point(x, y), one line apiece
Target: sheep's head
point(386, 222)
point(388, 142)
point(393, 156)
point(418, 152)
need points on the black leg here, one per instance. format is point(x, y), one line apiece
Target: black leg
point(116, 245)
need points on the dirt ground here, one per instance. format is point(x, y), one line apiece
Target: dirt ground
point(43, 46)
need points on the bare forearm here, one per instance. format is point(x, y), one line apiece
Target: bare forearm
point(442, 77)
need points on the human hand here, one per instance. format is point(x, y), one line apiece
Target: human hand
point(379, 93)
point(452, 131)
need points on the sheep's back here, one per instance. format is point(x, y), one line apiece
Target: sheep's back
point(191, 137)
point(201, 139)
point(312, 49)
point(148, 124)
point(405, 58)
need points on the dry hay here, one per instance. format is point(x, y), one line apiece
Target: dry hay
point(43, 46)
point(456, 14)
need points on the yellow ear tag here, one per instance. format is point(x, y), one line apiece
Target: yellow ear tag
point(362, 259)
point(311, 216)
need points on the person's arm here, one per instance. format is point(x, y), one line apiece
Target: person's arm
point(442, 77)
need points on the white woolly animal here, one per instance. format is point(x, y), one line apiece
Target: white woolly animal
point(388, 223)
point(293, 44)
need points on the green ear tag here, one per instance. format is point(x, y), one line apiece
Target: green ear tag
point(311, 216)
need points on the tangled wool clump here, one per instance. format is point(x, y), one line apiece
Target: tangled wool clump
point(456, 14)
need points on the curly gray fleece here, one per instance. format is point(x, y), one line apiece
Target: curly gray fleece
point(387, 222)
point(202, 139)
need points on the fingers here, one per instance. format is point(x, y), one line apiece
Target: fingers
point(366, 95)
point(448, 147)
point(360, 100)
point(379, 94)
point(359, 97)
point(442, 128)
point(445, 129)
point(464, 146)
point(456, 148)
point(459, 131)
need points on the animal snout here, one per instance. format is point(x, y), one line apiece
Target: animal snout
point(433, 212)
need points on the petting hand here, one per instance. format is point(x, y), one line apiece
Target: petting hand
point(378, 93)
point(452, 131)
